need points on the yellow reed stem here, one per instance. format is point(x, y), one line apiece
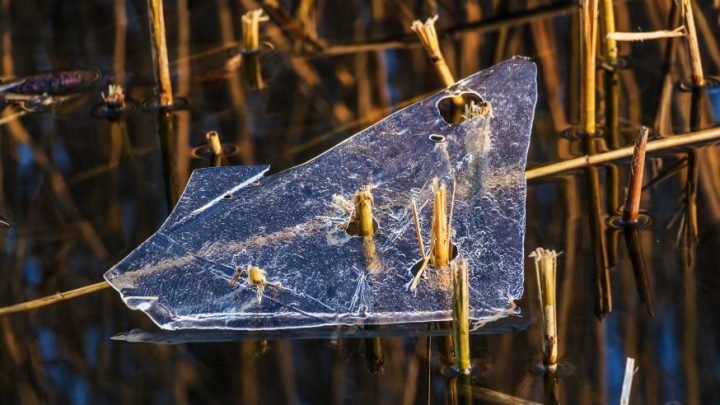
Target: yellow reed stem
point(55, 298)
point(611, 50)
point(251, 29)
point(363, 212)
point(588, 51)
point(213, 142)
point(461, 311)
point(692, 138)
point(160, 53)
point(441, 248)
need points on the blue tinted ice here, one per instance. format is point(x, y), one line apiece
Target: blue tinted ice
point(287, 224)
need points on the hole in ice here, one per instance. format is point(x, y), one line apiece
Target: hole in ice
point(452, 108)
point(353, 228)
point(416, 267)
point(437, 138)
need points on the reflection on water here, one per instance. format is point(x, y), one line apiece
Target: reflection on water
point(81, 192)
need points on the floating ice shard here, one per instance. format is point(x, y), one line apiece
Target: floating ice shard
point(288, 224)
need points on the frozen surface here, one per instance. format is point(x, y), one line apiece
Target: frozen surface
point(287, 225)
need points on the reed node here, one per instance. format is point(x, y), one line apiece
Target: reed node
point(631, 212)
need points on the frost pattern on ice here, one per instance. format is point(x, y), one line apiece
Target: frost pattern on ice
point(287, 224)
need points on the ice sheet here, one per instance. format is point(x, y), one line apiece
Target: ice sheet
point(287, 224)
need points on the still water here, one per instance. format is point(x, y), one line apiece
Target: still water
point(82, 191)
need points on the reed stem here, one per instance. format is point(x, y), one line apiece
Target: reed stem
point(688, 139)
point(627, 381)
point(631, 212)
point(363, 212)
point(441, 248)
point(429, 39)
point(698, 78)
point(461, 308)
point(545, 273)
point(215, 146)
point(251, 29)
point(611, 50)
point(588, 51)
point(160, 53)
point(55, 298)
point(644, 36)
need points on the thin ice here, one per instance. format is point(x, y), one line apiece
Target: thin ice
point(288, 224)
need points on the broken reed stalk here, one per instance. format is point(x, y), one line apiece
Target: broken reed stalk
point(251, 70)
point(645, 36)
point(588, 50)
point(363, 212)
point(545, 273)
point(440, 229)
point(213, 143)
point(691, 138)
point(160, 53)
point(627, 381)
point(440, 252)
point(429, 39)
point(698, 78)
point(631, 212)
point(55, 298)
point(215, 147)
point(461, 311)
point(251, 29)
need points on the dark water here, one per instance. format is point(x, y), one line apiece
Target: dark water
point(82, 192)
